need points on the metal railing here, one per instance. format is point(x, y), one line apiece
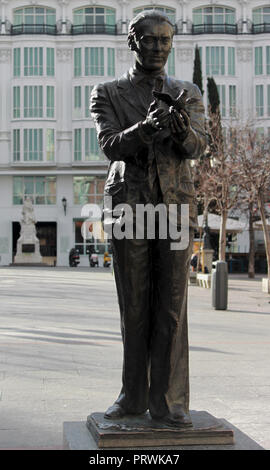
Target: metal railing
point(33, 29)
point(94, 29)
point(224, 28)
point(260, 28)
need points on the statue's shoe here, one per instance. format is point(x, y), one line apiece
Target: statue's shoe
point(115, 411)
point(176, 420)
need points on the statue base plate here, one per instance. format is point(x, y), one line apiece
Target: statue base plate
point(142, 431)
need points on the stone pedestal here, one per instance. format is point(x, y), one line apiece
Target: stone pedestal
point(266, 285)
point(142, 432)
point(28, 249)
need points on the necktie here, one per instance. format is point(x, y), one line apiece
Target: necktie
point(158, 84)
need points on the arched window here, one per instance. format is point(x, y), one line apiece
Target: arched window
point(94, 20)
point(170, 12)
point(261, 19)
point(214, 19)
point(34, 20)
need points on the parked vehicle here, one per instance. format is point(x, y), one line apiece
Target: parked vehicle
point(107, 260)
point(74, 258)
point(93, 260)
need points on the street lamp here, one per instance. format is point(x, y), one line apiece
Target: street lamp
point(64, 202)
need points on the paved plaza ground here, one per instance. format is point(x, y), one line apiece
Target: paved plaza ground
point(61, 353)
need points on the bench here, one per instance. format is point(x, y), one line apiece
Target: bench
point(204, 280)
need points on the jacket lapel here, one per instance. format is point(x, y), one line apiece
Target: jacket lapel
point(128, 93)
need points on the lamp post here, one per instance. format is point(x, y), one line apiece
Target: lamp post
point(64, 202)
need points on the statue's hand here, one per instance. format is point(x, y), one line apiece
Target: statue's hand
point(179, 124)
point(157, 118)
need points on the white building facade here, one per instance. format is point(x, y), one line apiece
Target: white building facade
point(52, 52)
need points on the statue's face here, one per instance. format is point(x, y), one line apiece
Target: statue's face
point(153, 44)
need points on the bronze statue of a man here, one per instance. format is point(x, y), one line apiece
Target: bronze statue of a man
point(149, 139)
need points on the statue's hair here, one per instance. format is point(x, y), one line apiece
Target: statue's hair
point(154, 15)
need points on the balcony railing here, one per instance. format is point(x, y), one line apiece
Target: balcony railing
point(224, 28)
point(33, 29)
point(115, 30)
point(94, 29)
point(261, 28)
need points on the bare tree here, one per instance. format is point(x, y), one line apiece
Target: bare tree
point(254, 168)
point(217, 177)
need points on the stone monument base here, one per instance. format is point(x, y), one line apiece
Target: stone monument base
point(142, 431)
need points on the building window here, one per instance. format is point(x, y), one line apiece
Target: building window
point(77, 100)
point(231, 61)
point(261, 15)
point(222, 97)
point(215, 62)
point(41, 189)
point(268, 60)
point(261, 20)
point(77, 62)
point(171, 63)
point(213, 16)
point(33, 61)
point(214, 20)
point(50, 145)
point(50, 62)
point(33, 102)
point(170, 12)
point(92, 149)
point(111, 62)
point(16, 145)
point(50, 102)
point(34, 19)
point(77, 144)
point(87, 93)
point(16, 102)
point(259, 100)
point(232, 100)
point(86, 147)
point(88, 189)
point(94, 20)
point(258, 60)
point(17, 62)
point(33, 144)
point(94, 61)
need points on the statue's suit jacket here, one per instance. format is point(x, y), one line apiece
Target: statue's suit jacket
point(151, 279)
point(117, 109)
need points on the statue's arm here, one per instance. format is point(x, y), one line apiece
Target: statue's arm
point(116, 143)
point(195, 141)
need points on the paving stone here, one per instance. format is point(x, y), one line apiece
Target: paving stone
point(61, 353)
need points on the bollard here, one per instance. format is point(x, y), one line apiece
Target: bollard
point(220, 285)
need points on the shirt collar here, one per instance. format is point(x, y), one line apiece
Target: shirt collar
point(137, 76)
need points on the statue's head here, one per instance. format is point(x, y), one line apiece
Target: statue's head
point(28, 201)
point(150, 37)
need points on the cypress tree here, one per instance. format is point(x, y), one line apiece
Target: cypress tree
point(213, 96)
point(197, 70)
